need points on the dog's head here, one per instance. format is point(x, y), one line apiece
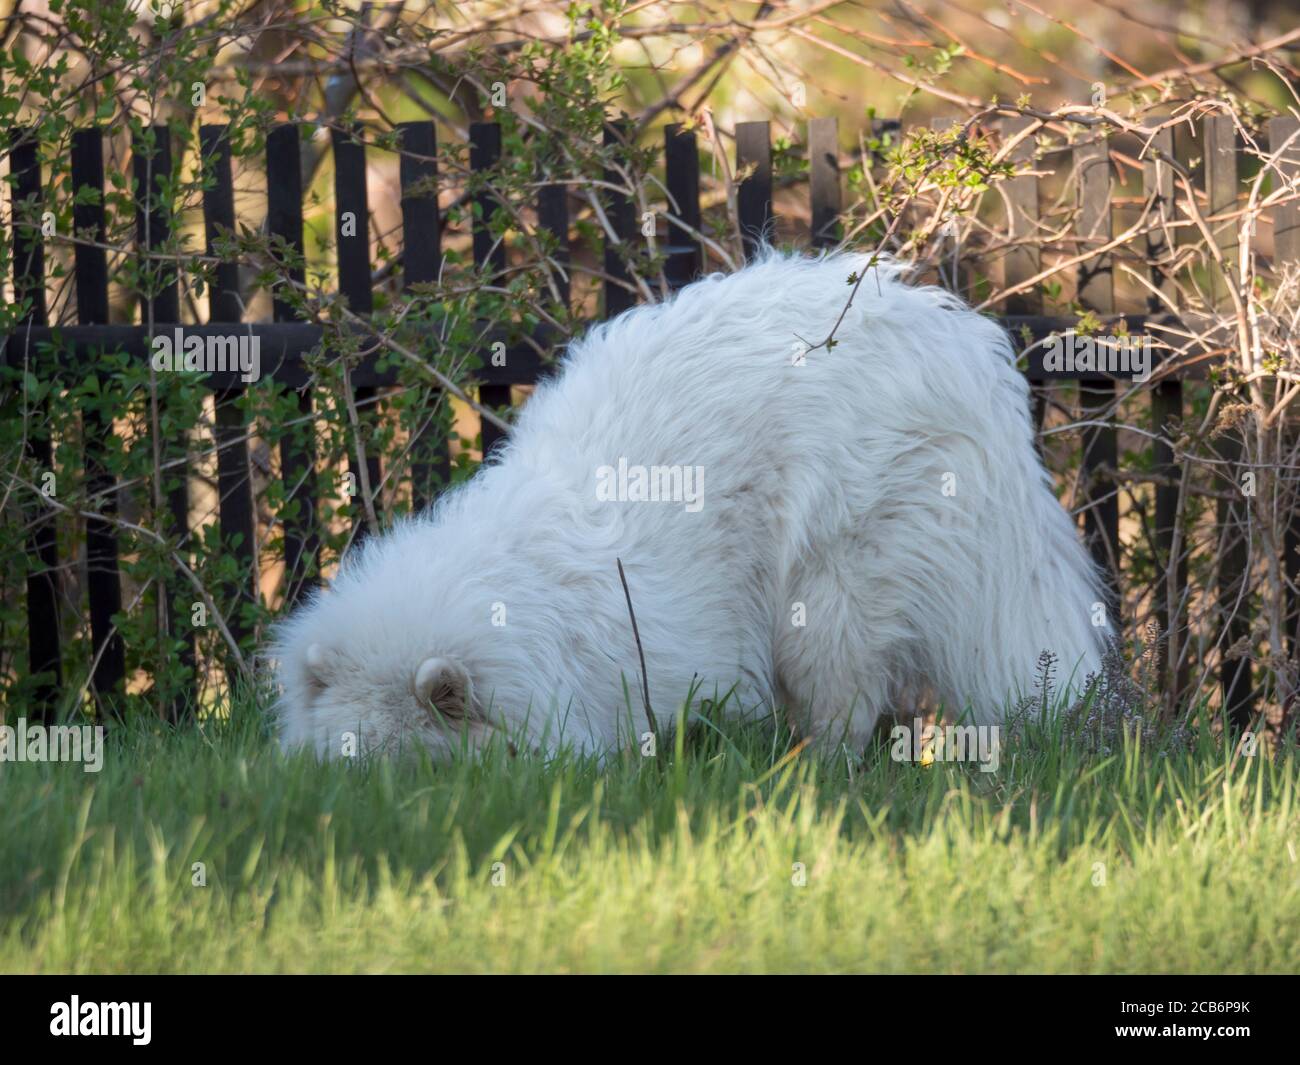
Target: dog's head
point(341, 699)
point(398, 654)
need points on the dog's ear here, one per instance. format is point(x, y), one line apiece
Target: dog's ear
point(442, 686)
point(318, 665)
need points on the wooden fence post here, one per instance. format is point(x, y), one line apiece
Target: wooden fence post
point(103, 581)
point(682, 177)
point(1023, 259)
point(160, 306)
point(422, 264)
point(352, 234)
point(1220, 147)
point(297, 451)
point(1166, 410)
point(43, 652)
point(824, 194)
point(234, 471)
point(754, 197)
point(622, 219)
point(553, 217)
point(1096, 397)
point(1284, 138)
point(955, 275)
point(489, 257)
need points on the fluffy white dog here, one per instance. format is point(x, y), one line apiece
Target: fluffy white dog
point(829, 533)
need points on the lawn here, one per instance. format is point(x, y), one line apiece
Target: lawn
point(728, 852)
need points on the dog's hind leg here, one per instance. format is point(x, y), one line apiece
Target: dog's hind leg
point(842, 643)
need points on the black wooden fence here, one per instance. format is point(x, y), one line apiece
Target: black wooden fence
point(285, 341)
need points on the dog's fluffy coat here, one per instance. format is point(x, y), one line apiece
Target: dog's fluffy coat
point(876, 522)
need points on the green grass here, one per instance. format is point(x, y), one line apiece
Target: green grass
point(684, 863)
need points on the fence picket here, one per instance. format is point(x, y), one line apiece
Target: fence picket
point(152, 166)
point(103, 580)
point(43, 651)
point(754, 196)
point(234, 471)
point(682, 177)
point(1220, 147)
point(1284, 141)
point(618, 210)
point(489, 257)
point(1166, 409)
point(1024, 260)
point(1097, 396)
point(352, 232)
point(297, 451)
point(421, 264)
point(825, 198)
point(553, 217)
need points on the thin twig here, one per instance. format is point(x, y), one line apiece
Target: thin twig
point(636, 635)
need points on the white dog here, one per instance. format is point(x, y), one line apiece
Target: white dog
point(828, 532)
